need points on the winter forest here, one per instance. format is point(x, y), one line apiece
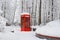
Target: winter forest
point(42, 22)
point(41, 11)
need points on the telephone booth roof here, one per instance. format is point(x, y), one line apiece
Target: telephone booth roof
point(25, 14)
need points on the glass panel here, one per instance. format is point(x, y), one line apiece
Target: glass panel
point(22, 21)
point(27, 22)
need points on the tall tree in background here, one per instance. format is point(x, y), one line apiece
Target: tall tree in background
point(22, 6)
point(35, 23)
point(40, 13)
point(15, 10)
point(32, 12)
point(27, 10)
point(3, 8)
point(52, 9)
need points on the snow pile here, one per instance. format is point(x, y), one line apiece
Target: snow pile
point(3, 20)
point(12, 28)
point(51, 29)
point(2, 23)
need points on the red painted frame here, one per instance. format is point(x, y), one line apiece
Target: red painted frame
point(25, 22)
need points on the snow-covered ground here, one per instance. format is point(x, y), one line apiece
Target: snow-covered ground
point(50, 29)
point(17, 34)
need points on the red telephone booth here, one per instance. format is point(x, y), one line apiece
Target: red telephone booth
point(25, 22)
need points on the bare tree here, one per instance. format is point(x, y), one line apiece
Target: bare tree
point(27, 6)
point(52, 9)
point(22, 5)
point(15, 10)
point(3, 8)
point(35, 13)
point(40, 13)
point(32, 12)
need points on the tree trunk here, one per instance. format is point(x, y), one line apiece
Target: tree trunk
point(40, 13)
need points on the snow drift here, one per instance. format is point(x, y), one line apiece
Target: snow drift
point(50, 29)
point(2, 23)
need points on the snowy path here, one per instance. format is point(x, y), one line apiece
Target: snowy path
point(26, 36)
point(18, 35)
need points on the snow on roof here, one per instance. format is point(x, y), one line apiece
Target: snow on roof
point(51, 29)
point(24, 13)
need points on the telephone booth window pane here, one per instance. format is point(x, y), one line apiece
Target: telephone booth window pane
point(27, 22)
point(22, 21)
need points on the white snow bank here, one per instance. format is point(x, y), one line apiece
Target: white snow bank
point(2, 23)
point(51, 29)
